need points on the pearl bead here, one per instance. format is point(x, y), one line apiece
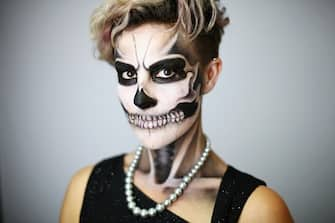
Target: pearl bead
point(186, 179)
point(129, 192)
point(178, 191)
point(167, 203)
point(196, 166)
point(128, 180)
point(136, 211)
point(128, 186)
point(144, 213)
point(131, 205)
point(172, 197)
point(159, 207)
point(182, 185)
point(136, 159)
point(132, 166)
point(130, 198)
point(152, 211)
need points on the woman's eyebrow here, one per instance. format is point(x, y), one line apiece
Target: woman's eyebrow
point(167, 63)
point(122, 66)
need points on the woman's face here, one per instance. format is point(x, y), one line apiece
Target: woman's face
point(159, 83)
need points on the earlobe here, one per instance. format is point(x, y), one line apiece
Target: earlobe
point(211, 75)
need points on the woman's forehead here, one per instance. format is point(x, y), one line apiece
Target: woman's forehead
point(147, 43)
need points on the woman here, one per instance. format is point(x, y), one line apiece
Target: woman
point(166, 57)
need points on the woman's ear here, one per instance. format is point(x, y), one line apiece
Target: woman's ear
point(211, 74)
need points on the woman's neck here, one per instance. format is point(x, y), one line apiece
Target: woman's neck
point(165, 165)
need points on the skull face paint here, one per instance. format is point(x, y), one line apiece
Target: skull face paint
point(159, 84)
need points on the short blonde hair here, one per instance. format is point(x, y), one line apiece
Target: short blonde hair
point(199, 20)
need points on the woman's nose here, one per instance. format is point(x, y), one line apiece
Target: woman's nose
point(143, 101)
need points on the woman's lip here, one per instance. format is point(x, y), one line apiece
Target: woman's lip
point(155, 121)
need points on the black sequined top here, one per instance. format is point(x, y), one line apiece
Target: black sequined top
point(105, 202)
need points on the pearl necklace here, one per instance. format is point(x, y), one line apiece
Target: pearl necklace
point(172, 197)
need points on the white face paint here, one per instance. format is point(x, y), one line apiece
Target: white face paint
point(158, 87)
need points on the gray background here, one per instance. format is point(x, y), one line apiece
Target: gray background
point(271, 114)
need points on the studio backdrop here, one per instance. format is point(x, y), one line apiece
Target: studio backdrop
point(272, 113)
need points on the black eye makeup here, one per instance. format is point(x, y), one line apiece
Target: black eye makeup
point(127, 74)
point(168, 70)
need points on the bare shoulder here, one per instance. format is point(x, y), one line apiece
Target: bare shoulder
point(265, 205)
point(74, 196)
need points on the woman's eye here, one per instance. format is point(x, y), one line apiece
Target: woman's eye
point(165, 73)
point(128, 75)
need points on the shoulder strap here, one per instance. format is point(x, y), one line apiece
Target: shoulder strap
point(99, 189)
point(234, 191)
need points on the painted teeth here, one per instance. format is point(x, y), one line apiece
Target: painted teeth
point(152, 122)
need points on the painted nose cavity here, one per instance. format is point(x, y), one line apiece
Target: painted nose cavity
point(144, 101)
